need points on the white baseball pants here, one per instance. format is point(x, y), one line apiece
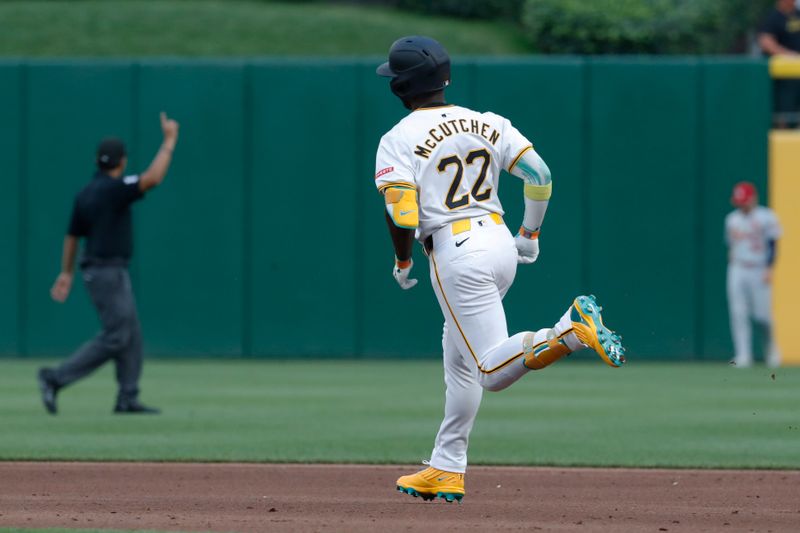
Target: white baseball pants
point(471, 273)
point(750, 297)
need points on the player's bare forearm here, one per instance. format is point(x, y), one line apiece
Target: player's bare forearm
point(157, 170)
point(402, 239)
point(63, 284)
point(771, 46)
point(772, 252)
point(68, 254)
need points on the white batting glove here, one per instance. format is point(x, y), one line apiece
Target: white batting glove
point(527, 243)
point(401, 271)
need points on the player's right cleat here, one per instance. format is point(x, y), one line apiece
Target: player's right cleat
point(433, 483)
point(590, 330)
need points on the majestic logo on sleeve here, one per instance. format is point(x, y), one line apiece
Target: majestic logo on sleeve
point(384, 171)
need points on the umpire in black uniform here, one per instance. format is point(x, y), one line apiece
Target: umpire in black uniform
point(102, 215)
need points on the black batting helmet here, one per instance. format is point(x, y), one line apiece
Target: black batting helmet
point(417, 65)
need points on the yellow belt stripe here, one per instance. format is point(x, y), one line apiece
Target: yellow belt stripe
point(465, 224)
point(460, 226)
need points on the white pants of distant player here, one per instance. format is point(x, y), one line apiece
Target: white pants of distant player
point(750, 298)
point(471, 273)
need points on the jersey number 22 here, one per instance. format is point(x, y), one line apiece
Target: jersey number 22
point(480, 196)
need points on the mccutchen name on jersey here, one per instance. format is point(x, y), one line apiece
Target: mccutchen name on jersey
point(455, 127)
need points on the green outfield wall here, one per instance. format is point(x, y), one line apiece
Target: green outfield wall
point(241, 253)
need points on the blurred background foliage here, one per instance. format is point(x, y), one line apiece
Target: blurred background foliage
point(358, 27)
point(642, 26)
point(484, 9)
point(616, 26)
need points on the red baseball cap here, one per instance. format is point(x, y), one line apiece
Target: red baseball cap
point(743, 193)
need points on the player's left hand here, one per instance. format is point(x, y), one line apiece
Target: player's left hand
point(767, 276)
point(527, 249)
point(401, 271)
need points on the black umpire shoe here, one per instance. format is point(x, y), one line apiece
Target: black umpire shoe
point(48, 389)
point(133, 407)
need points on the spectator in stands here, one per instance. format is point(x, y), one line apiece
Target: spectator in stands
point(780, 35)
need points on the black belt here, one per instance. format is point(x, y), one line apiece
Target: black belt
point(87, 262)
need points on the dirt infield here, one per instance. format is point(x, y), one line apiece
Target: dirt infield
point(301, 498)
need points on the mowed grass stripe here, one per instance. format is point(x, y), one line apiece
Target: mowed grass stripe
point(231, 28)
point(575, 413)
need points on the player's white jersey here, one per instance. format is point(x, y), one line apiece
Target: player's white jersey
point(453, 156)
point(747, 235)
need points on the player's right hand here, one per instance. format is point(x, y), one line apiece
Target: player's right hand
point(401, 271)
point(527, 249)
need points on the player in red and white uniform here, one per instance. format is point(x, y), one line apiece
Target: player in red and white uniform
point(751, 232)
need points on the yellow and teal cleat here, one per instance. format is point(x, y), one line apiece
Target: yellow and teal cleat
point(432, 483)
point(590, 330)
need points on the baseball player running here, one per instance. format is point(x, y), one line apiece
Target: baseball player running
point(438, 170)
point(752, 232)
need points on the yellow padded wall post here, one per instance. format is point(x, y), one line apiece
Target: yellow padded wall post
point(784, 192)
point(784, 67)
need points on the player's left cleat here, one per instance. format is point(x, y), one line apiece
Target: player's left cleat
point(590, 330)
point(433, 483)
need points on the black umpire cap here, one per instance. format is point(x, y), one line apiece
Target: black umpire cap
point(110, 153)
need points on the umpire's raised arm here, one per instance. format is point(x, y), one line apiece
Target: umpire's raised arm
point(155, 173)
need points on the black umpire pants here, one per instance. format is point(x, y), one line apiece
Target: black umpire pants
point(120, 339)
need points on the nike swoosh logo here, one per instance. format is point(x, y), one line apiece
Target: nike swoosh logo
point(462, 242)
point(441, 479)
point(404, 213)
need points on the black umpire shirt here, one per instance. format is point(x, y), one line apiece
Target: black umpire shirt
point(102, 214)
point(785, 29)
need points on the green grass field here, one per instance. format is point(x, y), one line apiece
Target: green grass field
point(576, 413)
point(103, 28)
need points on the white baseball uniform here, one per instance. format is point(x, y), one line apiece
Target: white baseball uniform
point(749, 295)
point(453, 157)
